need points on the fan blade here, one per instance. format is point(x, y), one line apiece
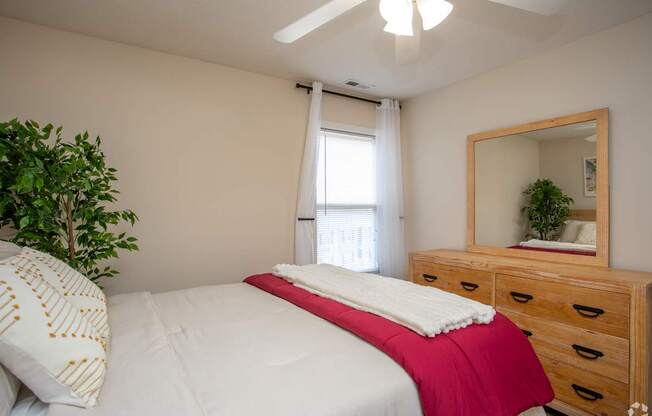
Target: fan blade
point(544, 7)
point(313, 20)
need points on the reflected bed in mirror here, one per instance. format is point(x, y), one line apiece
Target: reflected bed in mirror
point(539, 190)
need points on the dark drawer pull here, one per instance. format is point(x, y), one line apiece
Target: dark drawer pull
point(588, 311)
point(521, 297)
point(469, 286)
point(586, 394)
point(429, 277)
point(526, 333)
point(588, 353)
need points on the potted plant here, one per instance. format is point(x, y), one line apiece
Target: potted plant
point(57, 195)
point(547, 207)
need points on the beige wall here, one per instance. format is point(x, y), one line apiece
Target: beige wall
point(609, 69)
point(503, 170)
point(348, 112)
point(562, 161)
point(208, 156)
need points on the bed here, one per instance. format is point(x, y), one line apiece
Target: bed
point(238, 350)
point(568, 240)
point(557, 247)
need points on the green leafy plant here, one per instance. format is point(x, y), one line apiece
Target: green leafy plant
point(547, 207)
point(57, 195)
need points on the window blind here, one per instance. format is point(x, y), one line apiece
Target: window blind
point(346, 201)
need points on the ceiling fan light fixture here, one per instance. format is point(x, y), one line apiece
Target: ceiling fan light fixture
point(398, 15)
point(433, 12)
point(401, 28)
point(392, 9)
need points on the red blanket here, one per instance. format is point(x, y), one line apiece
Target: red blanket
point(479, 370)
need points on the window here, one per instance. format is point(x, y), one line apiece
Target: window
point(346, 201)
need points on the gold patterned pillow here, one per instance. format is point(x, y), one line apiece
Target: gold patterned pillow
point(46, 342)
point(76, 287)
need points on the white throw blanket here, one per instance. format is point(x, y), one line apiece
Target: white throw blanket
point(425, 310)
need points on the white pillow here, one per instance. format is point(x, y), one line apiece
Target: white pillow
point(571, 230)
point(45, 341)
point(587, 234)
point(7, 250)
point(27, 404)
point(9, 386)
point(77, 289)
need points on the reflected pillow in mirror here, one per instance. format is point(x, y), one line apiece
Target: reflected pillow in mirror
point(586, 234)
point(572, 230)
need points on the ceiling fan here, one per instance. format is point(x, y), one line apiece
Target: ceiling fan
point(399, 14)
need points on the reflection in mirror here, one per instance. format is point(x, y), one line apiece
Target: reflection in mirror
point(537, 190)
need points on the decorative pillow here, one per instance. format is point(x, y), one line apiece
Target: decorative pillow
point(587, 234)
point(7, 250)
point(77, 289)
point(571, 230)
point(45, 341)
point(9, 386)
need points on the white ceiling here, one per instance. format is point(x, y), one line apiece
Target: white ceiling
point(478, 35)
point(570, 131)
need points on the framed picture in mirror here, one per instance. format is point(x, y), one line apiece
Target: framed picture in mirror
point(590, 178)
point(540, 190)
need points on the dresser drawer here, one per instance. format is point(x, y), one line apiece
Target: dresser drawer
point(430, 274)
point(586, 391)
point(591, 309)
point(602, 354)
point(472, 284)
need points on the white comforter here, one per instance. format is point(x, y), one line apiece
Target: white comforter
point(426, 310)
point(234, 350)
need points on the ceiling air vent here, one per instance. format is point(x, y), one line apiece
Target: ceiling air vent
point(357, 84)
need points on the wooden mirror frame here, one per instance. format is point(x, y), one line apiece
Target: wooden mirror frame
point(601, 117)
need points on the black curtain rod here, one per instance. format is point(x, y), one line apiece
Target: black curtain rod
point(308, 88)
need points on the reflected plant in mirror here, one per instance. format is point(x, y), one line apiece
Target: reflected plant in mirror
point(547, 208)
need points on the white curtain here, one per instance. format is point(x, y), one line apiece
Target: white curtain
point(389, 190)
point(305, 228)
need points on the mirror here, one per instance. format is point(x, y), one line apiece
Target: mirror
point(540, 190)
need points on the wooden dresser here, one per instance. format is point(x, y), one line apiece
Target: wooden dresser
point(590, 326)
